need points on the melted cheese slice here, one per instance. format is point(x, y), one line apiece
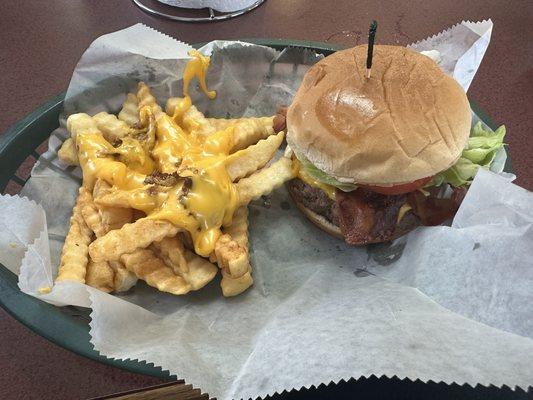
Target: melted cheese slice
point(330, 190)
point(401, 213)
point(304, 176)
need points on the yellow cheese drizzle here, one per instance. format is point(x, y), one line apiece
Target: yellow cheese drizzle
point(212, 198)
point(197, 67)
point(97, 160)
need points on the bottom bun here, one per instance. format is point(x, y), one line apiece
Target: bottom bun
point(408, 223)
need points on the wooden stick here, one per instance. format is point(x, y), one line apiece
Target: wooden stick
point(371, 37)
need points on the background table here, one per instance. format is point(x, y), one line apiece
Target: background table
point(41, 42)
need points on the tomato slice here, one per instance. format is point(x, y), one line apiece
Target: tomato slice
point(399, 189)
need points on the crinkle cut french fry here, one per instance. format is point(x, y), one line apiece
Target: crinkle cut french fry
point(100, 276)
point(237, 282)
point(120, 199)
point(222, 123)
point(81, 124)
point(201, 271)
point(247, 130)
point(231, 257)
point(147, 130)
point(112, 128)
point(256, 156)
point(112, 276)
point(195, 121)
point(129, 112)
point(124, 279)
point(234, 286)
point(68, 153)
point(192, 119)
point(196, 270)
point(173, 103)
point(148, 267)
point(101, 188)
point(115, 217)
point(129, 238)
point(238, 230)
point(111, 217)
point(115, 199)
point(145, 98)
point(265, 180)
point(74, 257)
point(173, 249)
point(251, 131)
point(112, 199)
point(105, 275)
point(92, 218)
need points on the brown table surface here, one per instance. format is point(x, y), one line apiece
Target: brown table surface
point(41, 42)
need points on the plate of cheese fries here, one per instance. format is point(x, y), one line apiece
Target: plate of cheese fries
point(165, 192)
point(256, 217)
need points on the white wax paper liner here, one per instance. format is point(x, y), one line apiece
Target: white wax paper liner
point(461, 48)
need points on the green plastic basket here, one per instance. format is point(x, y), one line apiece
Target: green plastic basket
point(68, 326)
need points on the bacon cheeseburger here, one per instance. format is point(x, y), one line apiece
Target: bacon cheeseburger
point(375, 154)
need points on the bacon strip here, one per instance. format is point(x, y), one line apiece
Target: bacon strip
point(280, 120)
point(366, 216)
point(433, 210)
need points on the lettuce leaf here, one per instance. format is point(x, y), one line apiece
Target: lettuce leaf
point(322, 177)
point(479, 152)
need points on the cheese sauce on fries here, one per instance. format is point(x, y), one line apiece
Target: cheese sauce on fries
point(212, 198)
point(159, 184)
point(203, 197)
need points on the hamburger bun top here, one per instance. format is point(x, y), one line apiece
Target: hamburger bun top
point(407, 122)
